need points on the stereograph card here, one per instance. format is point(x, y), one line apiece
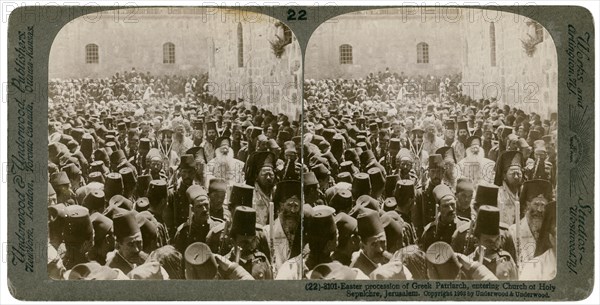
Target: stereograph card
point(418, 153)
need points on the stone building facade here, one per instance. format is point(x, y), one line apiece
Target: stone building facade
point(385, 38)
point(499, 54)
point(232, 46)
point(512, 58)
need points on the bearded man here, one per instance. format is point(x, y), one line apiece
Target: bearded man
point(181, 143)
point(475, 166)
point(224, 165)
point(536, 195)
point(460, 144)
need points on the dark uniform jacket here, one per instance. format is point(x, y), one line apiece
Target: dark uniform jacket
point(500, 263)
point(463, 240)
point(187, 235)
point(177, 210)
point(434, 232)
point(256, 263)
point(219, 241)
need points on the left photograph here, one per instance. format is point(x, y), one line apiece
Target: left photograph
point(174, 146)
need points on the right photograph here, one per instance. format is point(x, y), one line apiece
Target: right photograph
point(429, 146)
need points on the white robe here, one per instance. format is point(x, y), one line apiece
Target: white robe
point(541, 268)
point(280, 244)
point(527, 243)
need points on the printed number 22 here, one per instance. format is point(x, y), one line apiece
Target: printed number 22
point(292, 15)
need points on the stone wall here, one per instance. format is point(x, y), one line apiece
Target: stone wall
point(130, 39)
point(381, 39)
point(263, 79)
point(527, 82)
point(205, 41)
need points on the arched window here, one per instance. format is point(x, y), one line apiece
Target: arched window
point(168, 53)
point(492, 44)
point(345, 54)
point(422, 53)
point(240, 37)
point(91, 54)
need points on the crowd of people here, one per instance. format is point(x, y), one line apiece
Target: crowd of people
point(150, 177)
point(408, 184)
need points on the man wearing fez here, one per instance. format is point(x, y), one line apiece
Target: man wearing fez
point(405, 164)
point(260, 174)
point(535, 195)
point(405, 196)
point(245, 239)
point(199, 223)
point(460, 144)
point(118, 161)
point(78, 236)
point(388, 160)
point(128, 252)
point(219, 238)
point(446, 221)
point(475, 166)
point(178, 202)
point(104, 238)
point(139, 158)
point(464, 239)
point(372, 242)
point(322, 236)
point(444, 264)
point(489, 251)
point(509, 177)
point(284, 233)
point(217, 189)
point(464, 196)
point(425, 209)
point(224, 165)
point(348, 239)
point(202, 264)
point(62, 186)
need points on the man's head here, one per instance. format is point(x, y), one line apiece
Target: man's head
point(446, 201)
point(464, 193)
point(322, 233)
point(266, 176)
point(487, 228)
point(187, 169)
point(347, 228)
point(243, 228)
point(372, 234)
point(405, 161)
point(128, 235)
point(216, 193)
point(287, 198)
point(198, 199)
point(436, 168)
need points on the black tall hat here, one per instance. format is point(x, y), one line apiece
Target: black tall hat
point(256, 162)
point(241, 195)
point(286, 189)
point(390, 185)
point(243, 222)
point(505, 161)
point(488, 221)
